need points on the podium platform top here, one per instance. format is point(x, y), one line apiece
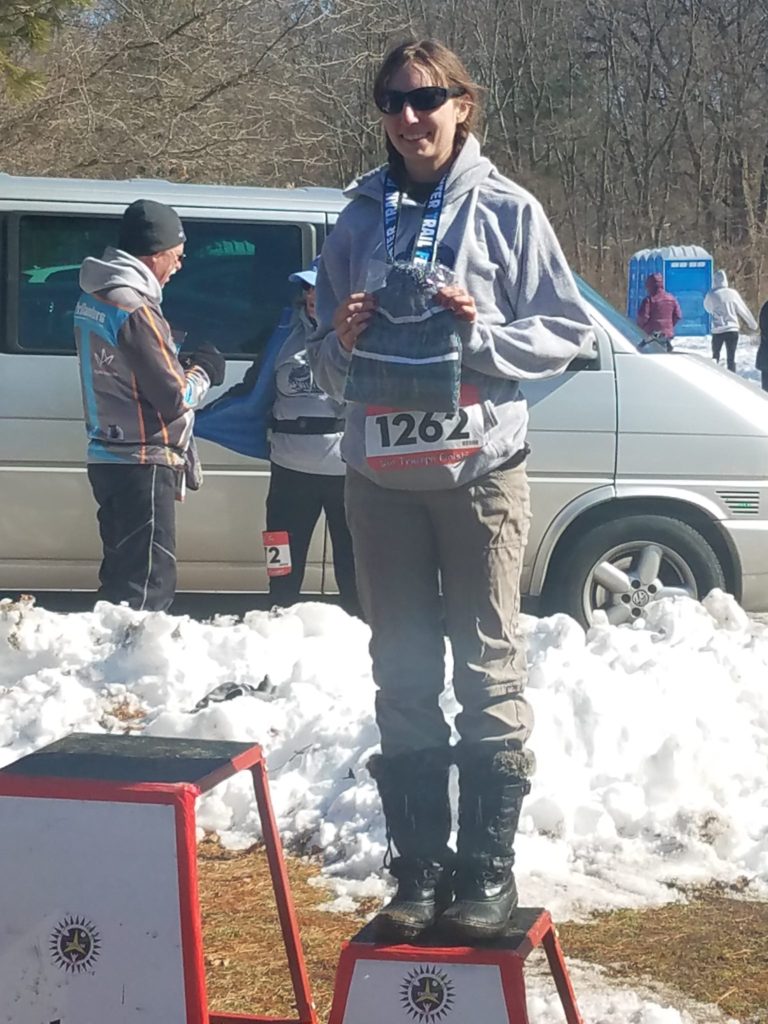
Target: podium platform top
point(118, 758)
point(525, 927)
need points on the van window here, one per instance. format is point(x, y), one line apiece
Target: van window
point(230, 292)
point(234, 284)
point(50, 252)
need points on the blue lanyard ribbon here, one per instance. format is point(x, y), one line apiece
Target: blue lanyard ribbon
point(425, 246)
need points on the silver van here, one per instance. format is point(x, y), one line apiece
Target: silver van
point(649, 470)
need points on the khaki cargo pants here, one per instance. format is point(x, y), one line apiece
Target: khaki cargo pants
point(470, 539)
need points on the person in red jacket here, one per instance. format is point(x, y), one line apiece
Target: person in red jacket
point(659, 311)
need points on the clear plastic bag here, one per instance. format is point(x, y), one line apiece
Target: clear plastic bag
point(432, 277)
point(409, 356)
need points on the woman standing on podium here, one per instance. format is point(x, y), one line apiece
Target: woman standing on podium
point(437, 501)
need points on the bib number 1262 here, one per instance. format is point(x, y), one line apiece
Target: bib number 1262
point(405, 439)
point(409, 428)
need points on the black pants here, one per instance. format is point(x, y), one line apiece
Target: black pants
point(731, 340)
point(294, 503)
point(764, 379)
point(137, 523)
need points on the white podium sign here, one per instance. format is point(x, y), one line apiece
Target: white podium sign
point(431, 983)
point(407, 992)
point(90, 915)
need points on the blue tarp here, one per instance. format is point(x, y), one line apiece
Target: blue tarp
point(239, 418)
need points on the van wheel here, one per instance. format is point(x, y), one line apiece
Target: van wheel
point(621, 567)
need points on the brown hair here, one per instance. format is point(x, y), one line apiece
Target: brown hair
point(445, 68)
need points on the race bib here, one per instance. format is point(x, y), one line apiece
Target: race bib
point(401, 439)
point(277, 552)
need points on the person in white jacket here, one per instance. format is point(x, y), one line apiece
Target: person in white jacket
point(726, 306)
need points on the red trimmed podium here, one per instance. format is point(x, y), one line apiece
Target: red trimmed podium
point(426, 983)
point(99, 911)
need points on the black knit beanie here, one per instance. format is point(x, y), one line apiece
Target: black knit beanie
point(148, 227)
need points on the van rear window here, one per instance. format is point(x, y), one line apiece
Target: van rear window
point(230, 292)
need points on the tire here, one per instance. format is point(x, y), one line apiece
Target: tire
point(624, 565)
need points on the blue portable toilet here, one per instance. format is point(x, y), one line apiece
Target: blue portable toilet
point(687, 274)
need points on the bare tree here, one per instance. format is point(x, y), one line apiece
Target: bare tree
point(636, 122)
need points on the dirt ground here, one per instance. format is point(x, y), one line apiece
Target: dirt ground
point(712, 948)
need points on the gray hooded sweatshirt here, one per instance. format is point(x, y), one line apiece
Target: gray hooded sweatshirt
point(297, 396)
point(530, 324)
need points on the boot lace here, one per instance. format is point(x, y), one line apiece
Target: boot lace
point(388, 854)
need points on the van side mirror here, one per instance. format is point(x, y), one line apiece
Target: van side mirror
point(587, 356)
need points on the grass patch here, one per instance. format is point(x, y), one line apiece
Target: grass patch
point(245, 964)
point(713, 949)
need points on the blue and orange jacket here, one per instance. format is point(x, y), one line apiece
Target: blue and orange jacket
point(138, 399)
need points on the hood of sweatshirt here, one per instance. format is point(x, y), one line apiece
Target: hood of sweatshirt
point(720, 279)
point(470, 168)
point(654, 284)
point(118, 269)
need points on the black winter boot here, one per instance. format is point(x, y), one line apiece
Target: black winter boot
point(492, 785)
point(414, 795)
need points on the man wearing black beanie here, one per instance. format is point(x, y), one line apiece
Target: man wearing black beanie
point(139, 403)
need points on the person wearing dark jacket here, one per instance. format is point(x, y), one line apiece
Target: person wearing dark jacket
point(659, 311)
point(761, 359)
point(139, 403)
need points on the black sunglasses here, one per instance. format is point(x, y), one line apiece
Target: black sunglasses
point(427, 97)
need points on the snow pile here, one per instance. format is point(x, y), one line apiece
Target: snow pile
point(652, 744)
point(652, 741)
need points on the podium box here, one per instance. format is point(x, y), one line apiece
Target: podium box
point(426, 983)
point(99, 910)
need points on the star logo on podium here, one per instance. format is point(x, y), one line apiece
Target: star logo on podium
point(75, 944)
point(427, 995)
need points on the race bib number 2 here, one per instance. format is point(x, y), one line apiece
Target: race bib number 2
point(277, 552)
point(400, 439)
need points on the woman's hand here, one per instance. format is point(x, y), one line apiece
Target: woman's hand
point(351, 318)
point(459, 301)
